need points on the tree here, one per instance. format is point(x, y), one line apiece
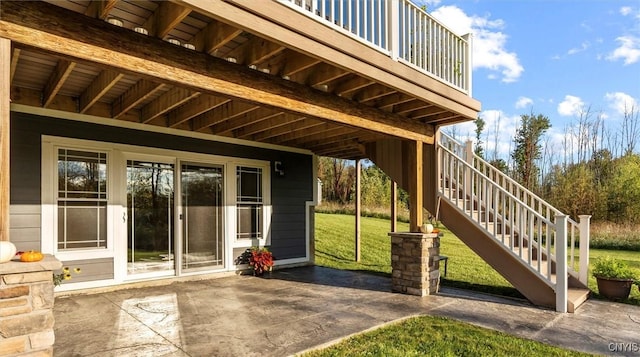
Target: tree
point(527, 148)
point(480, 123)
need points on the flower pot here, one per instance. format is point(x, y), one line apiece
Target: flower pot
point(614, 289)
point(7, 251)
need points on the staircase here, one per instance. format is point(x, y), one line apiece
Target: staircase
point(541, 251)
point(529, 242)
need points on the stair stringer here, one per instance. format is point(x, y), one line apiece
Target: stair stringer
point(515, 271)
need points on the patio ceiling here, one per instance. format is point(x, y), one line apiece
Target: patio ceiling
point(232, 82)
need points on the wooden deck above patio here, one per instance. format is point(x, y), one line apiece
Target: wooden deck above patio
point(253, 70)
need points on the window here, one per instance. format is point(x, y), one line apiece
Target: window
point(82, 199)
point(249, 203)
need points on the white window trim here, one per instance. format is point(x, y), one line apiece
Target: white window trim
point(49, 196)
point(232, 197)
point(116, 162)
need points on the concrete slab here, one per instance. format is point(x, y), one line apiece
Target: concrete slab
point(300, 308)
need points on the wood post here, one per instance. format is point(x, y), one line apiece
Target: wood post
point(358, 209)
point(5, 110)
point(413, 150)
point(394, 206)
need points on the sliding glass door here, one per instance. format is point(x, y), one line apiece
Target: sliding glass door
point(150, 212)
point(202, 216)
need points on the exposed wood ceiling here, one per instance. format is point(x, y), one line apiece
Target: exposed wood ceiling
point(53, 79)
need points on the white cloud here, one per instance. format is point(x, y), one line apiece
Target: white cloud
point(523, 102)
point(629, 50)
point(583, 47)
point(621, 102)
point(571, 106)
point(626, 10)
point(489, 43)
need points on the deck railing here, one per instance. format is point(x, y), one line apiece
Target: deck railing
point(400, 29)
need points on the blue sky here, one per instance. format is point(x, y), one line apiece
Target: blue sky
point(556, 58)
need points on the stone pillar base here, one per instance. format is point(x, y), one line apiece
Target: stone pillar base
point(415, 263)
point(26, 307)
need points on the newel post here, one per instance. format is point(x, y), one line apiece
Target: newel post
point(5, 111)
point(562, 280)
point(585, 237)
point(469, 63)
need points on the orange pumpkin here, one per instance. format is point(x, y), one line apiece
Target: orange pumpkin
point(31, 256)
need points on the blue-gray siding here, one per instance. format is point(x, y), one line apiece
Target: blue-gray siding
point(288, 193)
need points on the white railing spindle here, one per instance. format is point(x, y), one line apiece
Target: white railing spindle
point(401, 30)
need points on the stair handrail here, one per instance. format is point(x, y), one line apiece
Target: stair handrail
point(466, 152)
point(515, 199)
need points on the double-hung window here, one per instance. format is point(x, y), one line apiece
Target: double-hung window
point(82, 199)
point(250, 203)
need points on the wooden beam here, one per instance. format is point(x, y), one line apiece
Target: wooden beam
point(75, 36)
point(413, 151)
point(373, 93)
point(303, 124)
point(174, 98)
point(320, 134)
point(167, 16)
point(325, 73)
point(409, 107)
point(215, 36)
point(56, 80)
point(139, 92)
point(358, 208)
point(256, 51)
point(426, 112)
point(351, 85)
point(5, 122)
point(14, 63)
point(99, 87)
point(226, 128)
point(272, 123)
point(297, 62)
point(225, 112)
point(100, 8)
point(199, 105)
point(387, 103)
point(344, 147)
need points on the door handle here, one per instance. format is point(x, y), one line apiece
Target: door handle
point(124, 217)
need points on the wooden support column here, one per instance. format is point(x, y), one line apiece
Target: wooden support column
point(413, 152)
point(5, 110)
point(394, 206)
point(358, 208)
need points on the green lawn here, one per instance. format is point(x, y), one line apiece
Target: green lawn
point(438, 336)
point(335, 248)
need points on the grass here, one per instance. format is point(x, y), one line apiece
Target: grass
point(335, 249)
point(438, 336)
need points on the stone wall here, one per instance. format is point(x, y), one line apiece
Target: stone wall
point(415, 263)
point(26, 307)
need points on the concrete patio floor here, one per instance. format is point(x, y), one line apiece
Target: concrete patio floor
point(301, 308)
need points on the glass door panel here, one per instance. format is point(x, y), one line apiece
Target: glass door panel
point(202, 217)
point(150, 190)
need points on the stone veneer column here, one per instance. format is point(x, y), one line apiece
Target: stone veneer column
point(26, 307)
point(415, 263)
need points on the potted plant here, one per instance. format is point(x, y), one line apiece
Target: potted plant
point(614, 278)
point(260, 260)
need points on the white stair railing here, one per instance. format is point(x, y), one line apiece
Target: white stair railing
point(525, 225)
point(578, 233)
